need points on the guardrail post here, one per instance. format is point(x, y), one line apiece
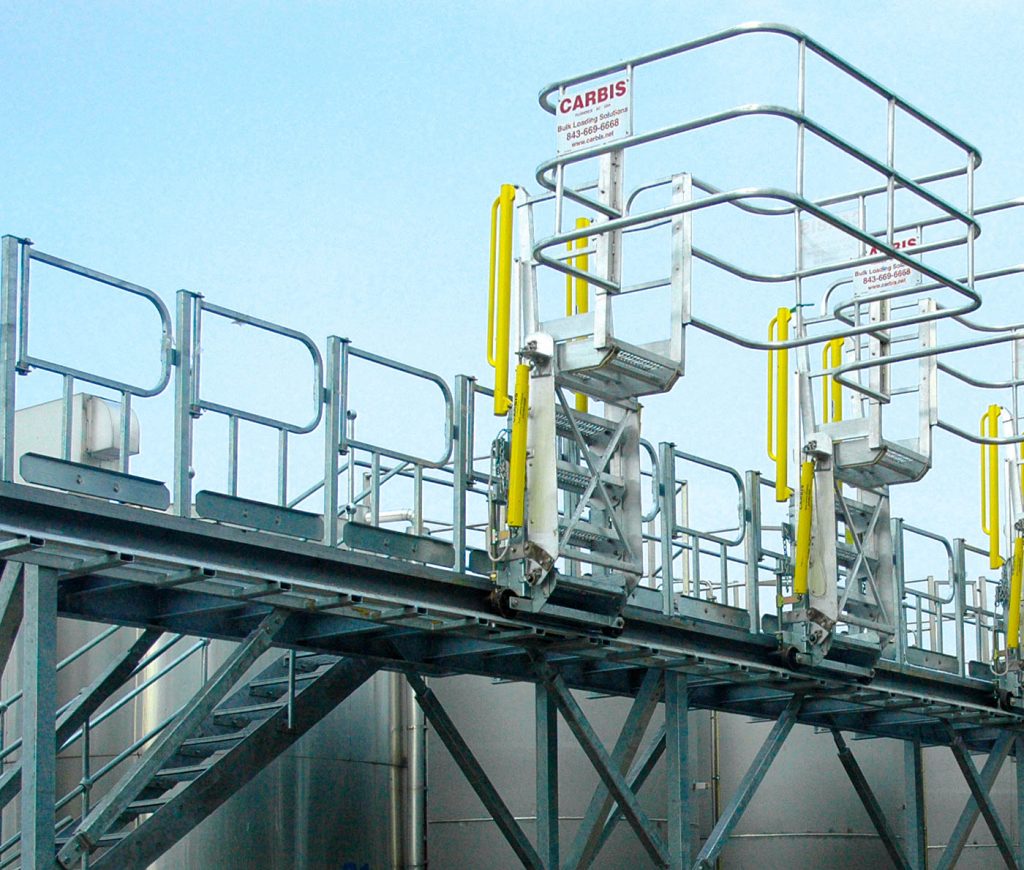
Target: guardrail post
point(8, 352)
point(462, 464)
point(752, 545)
point(333, 428)
point(899, 581)
point(667, 498)
point(960, 601)
point(183, 415)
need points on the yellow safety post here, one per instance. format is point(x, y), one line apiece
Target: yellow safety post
point(499, 296)
point(803, 528)
point(778, 403)
point(517, 457)
point(1013, 611)
point(831, 390)
point(990, 484)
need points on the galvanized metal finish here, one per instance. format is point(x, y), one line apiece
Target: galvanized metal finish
point(867, 797)
point(39, 718)
point(590, 593)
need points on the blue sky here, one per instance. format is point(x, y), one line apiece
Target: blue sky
point(331, 165)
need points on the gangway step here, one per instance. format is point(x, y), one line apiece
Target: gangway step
point(620, 373)
point(576, 478)
point(595, 431)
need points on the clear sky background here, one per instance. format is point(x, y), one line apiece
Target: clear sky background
point(331, 165)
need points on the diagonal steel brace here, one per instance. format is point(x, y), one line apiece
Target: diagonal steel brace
point(733, 811)
point(980, 794)
point(958, 839)
point(589, 835)
point(867, 797)
point(474, 773)
point(606, 769)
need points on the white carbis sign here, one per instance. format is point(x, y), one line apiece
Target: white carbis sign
point(594, 114)
point(889, 274)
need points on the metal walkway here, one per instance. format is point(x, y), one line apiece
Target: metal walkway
point(393, 559)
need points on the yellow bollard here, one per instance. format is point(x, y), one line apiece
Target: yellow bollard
point(803, 529)
point(778, 404)
point(517, 452)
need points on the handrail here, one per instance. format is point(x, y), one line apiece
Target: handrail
point(831, 391)
point(499, 309)
point(347, 442)
point(778, 404)
point(771, 28)
point(725, 469)
point(26, 361)
point(546, 171)
point(990, 485)
point(886, 253)
point(517, 449)
point(275, 329)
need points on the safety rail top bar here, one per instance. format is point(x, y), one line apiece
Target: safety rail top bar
point(886, 252)
point(545, 171)
point(198, 402)
point(26, 361)
point(835, 199)
point(839, 311)
point(763, 27)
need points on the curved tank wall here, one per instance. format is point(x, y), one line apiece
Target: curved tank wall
point(805, 814)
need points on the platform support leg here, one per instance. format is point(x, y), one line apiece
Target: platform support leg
point(39, 719)
point(677, 736)
point(547, 778)
point(916, 823)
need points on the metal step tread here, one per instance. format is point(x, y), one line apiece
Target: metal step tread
point(111, 838)
point(249, 711)
point(576, 478)
point(594, 429)
point(273, 682)
point(212, 742)
point(588, 535)
point(186, 773)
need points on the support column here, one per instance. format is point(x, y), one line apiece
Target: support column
point(916, 831)
point(547, 778)
point(677, 738)
point(39, 719)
